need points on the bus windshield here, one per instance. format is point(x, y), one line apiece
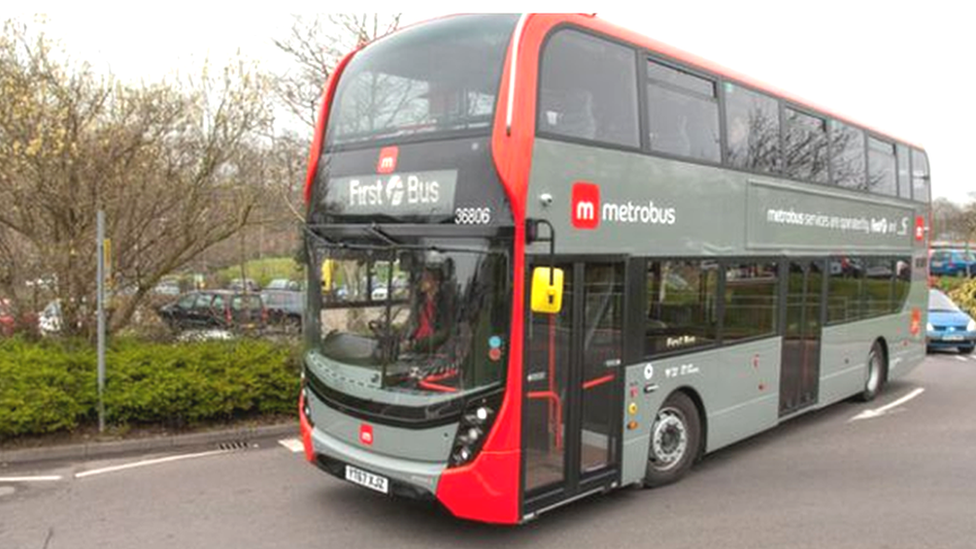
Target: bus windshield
point(439, 78)
point(423, 316)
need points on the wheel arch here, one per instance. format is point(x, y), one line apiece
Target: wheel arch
point(883, 344)
point(696, 398)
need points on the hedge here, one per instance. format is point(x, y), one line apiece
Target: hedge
point(964, 294)
point(50, 386)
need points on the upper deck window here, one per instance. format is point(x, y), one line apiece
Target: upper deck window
point(904, 181)
point(881, 167)
point(920, 176)
point(847, 155)
point(752, 126)
point(436, 78)
point(588, 89)
point(682, 113)
point(806, 147)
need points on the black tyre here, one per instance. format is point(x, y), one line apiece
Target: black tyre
point(966, 350)
point(877, 371)
point(675, 441)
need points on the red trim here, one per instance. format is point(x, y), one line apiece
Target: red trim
point(599, 381)
point(488, 488)
point(555, 413)
point(316, 152)
point(441, 377)
point(431, 386)
point(306, 430)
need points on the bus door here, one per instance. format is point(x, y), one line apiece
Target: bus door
point(803, 315)
point(573, 386)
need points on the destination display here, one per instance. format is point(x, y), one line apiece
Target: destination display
point(429, 193)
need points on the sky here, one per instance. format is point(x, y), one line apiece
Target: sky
point(903, 68)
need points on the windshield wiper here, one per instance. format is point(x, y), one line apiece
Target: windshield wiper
point(376, 231)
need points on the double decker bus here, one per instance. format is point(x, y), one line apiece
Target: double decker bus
point(550, 257)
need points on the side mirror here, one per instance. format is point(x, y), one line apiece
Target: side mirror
point(547, 290)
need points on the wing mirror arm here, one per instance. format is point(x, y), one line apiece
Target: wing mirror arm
point(532, 235)
point(547, 282)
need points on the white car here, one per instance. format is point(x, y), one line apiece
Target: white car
point(49, 321)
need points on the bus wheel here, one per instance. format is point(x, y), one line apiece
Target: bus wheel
point(876, 373)
point(675, 440)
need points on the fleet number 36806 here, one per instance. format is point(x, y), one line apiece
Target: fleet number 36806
point(472, 216)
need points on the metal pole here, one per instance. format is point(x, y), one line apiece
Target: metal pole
point(101, 320)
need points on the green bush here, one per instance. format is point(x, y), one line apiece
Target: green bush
point(44, 388)
point(51, 387)
point(949, 284)
point(964, 295)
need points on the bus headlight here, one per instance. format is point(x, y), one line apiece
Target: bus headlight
point(929, 327)
point(476, 422)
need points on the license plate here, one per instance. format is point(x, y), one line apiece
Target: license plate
point(369, 480)
point(952, 338)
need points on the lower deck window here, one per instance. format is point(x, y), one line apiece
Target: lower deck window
point(681, 305)
point(750, 301)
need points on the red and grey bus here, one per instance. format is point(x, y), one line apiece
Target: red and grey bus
point(549, 257)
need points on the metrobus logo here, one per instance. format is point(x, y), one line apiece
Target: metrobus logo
point(585, 213)
point(388, 160)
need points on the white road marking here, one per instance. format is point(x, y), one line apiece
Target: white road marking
point(961, 358)
point(877, 412)
point(293, 444)
point(148, 462)
point(48, 478)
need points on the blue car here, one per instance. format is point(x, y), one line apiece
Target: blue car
point(952, 263)
point(948, 326)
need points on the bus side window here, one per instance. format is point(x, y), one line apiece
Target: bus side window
point(569, 113)
point(682, 113)
point(681, 306)
point(920, 176)
point(847, 155)
point(752, 129)
point(588, 90)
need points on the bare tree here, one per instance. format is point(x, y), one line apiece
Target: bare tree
point(315, 46)
point(170, 164)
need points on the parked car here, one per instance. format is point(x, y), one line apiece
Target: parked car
point(948, 327)
point(379, 293)
point(50, 320)
point(285, 307)
point(284, 284)
point(952, 263)
point(215, 309)
point(9, 323)
point(169, 288)
point(240, 285)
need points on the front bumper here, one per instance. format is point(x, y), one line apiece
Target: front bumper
point(940, 340)
point(409, 478)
